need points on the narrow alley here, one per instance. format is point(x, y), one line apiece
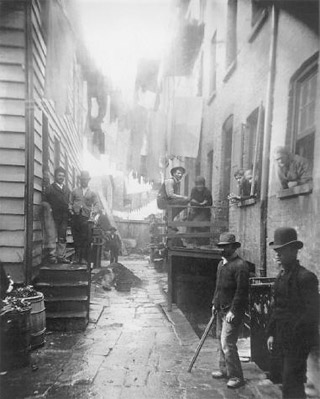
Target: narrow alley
point(132, 348)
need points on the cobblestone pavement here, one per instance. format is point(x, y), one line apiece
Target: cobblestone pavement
point(132, 349)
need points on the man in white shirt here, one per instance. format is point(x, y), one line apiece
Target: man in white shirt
point(83, 205)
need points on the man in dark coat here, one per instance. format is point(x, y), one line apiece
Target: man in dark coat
point(230, 302)
point(293, 326)
point(57, 195)
point(169, 193)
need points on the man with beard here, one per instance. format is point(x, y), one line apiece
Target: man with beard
point(293, 326)
point(229, 303)
point(169, 193)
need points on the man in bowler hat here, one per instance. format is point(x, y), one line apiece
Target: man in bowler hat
point(293, 325)
point(84, 205)
point(229, 303)
point(169, 193)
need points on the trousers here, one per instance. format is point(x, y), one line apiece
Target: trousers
point(228, 333)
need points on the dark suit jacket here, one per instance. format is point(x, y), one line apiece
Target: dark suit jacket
point(295, 315)
point(232, 286)
point(58, 199)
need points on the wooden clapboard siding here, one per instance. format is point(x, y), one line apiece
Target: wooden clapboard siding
point(12, 222)
point(12, 141)
point(11, 206)
point(12, 238)
point(12, 135)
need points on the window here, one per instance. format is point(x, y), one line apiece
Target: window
point(303, 104)
point(213, 63)
point(231, 48)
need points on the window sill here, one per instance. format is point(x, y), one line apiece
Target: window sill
point(230, 70)
point(258, 25)
point(212, 97)
point(247, 202)
point(304, 189)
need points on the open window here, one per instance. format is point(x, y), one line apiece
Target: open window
point(302, 114)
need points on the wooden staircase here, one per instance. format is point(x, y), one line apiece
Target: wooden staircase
point(66, 289)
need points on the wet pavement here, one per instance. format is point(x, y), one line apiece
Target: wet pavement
point(131, 349)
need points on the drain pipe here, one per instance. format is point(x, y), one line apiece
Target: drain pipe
point(267, 141)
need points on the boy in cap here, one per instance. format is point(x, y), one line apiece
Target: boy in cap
point(84, 204)
point(57, 195)
point(230, 302)
point(169, 193)
point(293, 326)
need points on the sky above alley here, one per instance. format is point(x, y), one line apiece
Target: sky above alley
point(118, 33)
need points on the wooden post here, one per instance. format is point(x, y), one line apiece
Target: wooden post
point(266, 143)
point(257, 150)
point(29, 137)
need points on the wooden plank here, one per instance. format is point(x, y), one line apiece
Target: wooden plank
point(12, 140)
point(11, 222)
point(12, 107)
point(11, 255)
point(38, 53)
point(11, 206)
point(37, 24)
point(14, 73)
point(38, 155)
point(12, 189)
point(12, 238)
point(11, 38)
point(12, 157)
point(10, 123)
point(12, 173)
point(10, 55)
point(12, 16)
point(37, 225)
point(12, 90)
point(38, 65)
point(37, 235)
point(37, 169)
point(37, 197)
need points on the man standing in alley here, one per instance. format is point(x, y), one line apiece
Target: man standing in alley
point(293, 326)
point(84, 205)
point(57, 195)
point(229, 303)
point(169, 193)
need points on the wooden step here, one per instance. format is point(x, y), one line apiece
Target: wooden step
point(67, 321)
point(63, 273)
point(63, 289)
point(67, 304)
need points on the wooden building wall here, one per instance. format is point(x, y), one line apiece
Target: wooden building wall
point(56, 139)
point(12, 135)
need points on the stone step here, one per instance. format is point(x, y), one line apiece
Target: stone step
point(67, 304)
point(63, 289)
point(67, 321)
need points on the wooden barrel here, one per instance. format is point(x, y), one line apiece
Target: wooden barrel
point(15, 339)
point(37, 320)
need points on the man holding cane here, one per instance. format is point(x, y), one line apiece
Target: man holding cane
point(230, 302)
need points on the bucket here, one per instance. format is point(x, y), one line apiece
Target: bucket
point(37, 320)
point(15, 339)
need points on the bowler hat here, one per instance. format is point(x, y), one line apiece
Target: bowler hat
point(285, 236)
point(84, 174)
point(228, 238)
point(173, 170)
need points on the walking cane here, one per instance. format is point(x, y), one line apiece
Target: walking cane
point(203, 338)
